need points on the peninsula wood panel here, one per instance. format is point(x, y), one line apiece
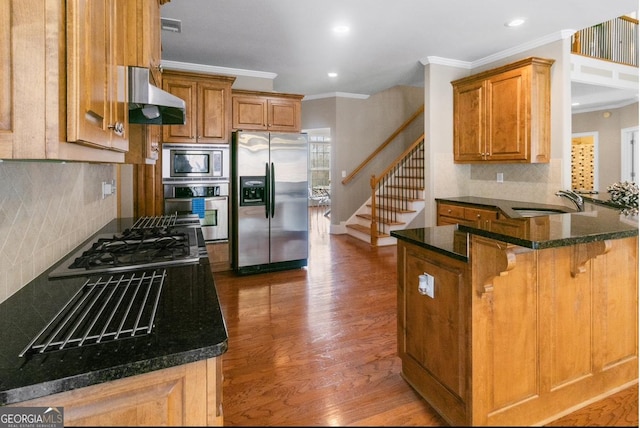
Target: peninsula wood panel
point(554, 320)
point(438, 367)
point(517, 336)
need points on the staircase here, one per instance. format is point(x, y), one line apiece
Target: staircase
point(397, 197)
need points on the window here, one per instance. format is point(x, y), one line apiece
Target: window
point(319, 160)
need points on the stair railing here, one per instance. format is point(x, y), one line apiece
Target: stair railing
point(382, 146)
point(395, 188)
point(615, 40)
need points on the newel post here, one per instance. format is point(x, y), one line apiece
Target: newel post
point(374, 226)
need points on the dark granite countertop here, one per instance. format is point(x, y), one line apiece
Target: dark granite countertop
point(596, 223)
point(504, 205)
point(189, 326)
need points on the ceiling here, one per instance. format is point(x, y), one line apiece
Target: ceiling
point(387, 44)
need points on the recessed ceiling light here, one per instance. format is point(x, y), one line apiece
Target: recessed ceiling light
point(514, 22)
point(340, 29)
point(575, 104)
point(332, 74)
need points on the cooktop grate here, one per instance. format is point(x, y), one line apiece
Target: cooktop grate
point(155, 222)
point(118, 307)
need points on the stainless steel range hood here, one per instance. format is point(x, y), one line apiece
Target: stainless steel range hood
point(151, 105)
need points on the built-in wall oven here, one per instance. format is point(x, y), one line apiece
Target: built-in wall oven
point(195, 178)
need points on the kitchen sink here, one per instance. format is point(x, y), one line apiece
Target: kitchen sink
point(537, 212)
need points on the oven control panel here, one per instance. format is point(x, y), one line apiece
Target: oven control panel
point(195, 190)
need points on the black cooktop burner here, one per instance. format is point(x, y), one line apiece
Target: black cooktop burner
point(135, 248)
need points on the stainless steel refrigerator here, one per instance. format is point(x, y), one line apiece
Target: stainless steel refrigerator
point(270, 227)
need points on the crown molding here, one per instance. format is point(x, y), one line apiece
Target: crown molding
point(335, 95)
point(212, 69)
point(560, 35)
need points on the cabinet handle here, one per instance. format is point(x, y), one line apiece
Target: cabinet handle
point(477, 215)
point(117, 128)
point(449, 211)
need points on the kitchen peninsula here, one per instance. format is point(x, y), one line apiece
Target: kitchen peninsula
point(528, 319)
point(171, 376)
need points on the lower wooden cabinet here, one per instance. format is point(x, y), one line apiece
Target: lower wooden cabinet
point(186, 395)
point(434, 333)
point(219, 256)
point(516, 336)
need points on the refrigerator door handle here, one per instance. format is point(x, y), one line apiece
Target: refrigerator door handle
point(267, 190)
point(273, 190)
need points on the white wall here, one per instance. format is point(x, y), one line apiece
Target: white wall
point(358, 127)
point(46, 210)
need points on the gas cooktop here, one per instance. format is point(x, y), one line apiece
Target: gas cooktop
point(150, 243)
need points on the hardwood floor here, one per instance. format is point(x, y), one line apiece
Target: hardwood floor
point(317, 346)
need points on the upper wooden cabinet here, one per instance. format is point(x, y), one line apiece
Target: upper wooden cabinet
point(38, 46)
point(503, 115)
point(143, 32)
point(144, 50)
point(96, 73)
point(208, 107)
point(266, 111)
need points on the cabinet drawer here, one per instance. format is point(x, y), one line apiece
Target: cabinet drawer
point(451, 210)
point(480, 214)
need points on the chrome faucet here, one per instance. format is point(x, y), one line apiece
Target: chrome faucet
point(577, 200)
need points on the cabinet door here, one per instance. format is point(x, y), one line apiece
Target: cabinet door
point(184, 395)
point(283, 115)
point(249, 113)
point(88, 50)
point(506, 132)
point(6, 97)
point(187, 90)
point(96, 84)
point(433, 332)
point(118, 90)
point(213, 101)
point(468, 129)
point(154, 42)
point(143, 28)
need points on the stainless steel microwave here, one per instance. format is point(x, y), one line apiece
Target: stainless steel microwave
point(203, 162)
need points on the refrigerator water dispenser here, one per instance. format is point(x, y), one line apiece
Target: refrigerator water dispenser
point(252, 191)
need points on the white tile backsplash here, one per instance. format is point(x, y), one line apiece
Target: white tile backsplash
point(46, 210)
point(522, 182)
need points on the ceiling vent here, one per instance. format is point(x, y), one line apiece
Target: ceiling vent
point(173, 25)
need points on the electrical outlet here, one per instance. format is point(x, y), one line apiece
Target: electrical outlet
point(430, 286)
point(108, 188)
point(426, 285)
point(499, 177)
